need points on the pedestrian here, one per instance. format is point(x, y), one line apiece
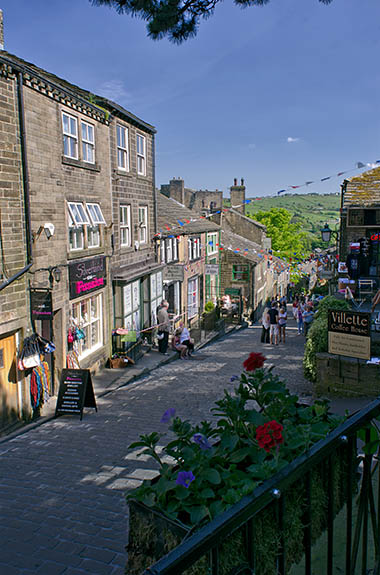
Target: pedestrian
point(265, 323)
point(307, 316)
point(295, 308)
point(300, 324)
point(185, 339)
point(282, 318)
point(273, 316)
point(177, 345)
point(163, 327)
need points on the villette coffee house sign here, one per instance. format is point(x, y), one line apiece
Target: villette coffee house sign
point(349, 333)
point(86, 276)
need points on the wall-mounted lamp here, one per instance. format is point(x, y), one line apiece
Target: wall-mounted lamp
point(48, 228)
point(55, 273)
point(326, 233)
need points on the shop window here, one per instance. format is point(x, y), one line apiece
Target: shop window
point(125, 226)
point(212, 240)
point(192, 297)
point(143, 224)
point(87, 315)
point(131, 306)
point(240, 273)
point(156, 295)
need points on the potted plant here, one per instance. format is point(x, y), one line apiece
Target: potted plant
point(259, 428)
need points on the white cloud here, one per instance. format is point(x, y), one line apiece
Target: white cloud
point(251, 146)
point(292, 140)
point(114, 90)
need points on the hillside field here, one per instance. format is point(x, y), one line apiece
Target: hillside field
point(312, 211)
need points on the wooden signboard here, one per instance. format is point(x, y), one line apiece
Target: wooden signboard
point(349, 333)
point(75, 392)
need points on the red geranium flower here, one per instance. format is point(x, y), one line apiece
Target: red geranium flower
point(269, 435)
point(254, 361)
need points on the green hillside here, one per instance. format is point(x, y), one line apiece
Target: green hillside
point(312, 211)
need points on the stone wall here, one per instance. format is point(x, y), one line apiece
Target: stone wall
point(246, 227)
point(346, 377)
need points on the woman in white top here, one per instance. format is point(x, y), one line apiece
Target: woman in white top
point(282, 317)
point(265, 322)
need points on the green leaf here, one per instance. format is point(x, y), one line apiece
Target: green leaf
point(207, 493)
point(257, 471)
point(239, 455)
point(371, 447)
point(216, 508)
point(197, 513)
point(182, 492)
point(212, 475)
point(272, 387)
point(229, 441)
point(255, 417)
point(149, 499)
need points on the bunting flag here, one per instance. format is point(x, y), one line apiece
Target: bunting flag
point(181, 224)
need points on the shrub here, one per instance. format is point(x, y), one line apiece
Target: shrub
point(209, 306)
point(317, 337)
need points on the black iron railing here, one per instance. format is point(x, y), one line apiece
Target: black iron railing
point(350, 511)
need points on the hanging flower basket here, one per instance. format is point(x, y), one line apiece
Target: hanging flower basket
point(260, 429)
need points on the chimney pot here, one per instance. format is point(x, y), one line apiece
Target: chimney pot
point(235, 181)
point(242, 181)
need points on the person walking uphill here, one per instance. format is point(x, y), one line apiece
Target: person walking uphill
point(164, 327)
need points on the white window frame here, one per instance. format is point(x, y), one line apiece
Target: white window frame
point(93, 236)
point(143, 224)
point(71, 137)
point(175, 250)
point(122, 150)
point(141, 154)
point(75, 233)
point(213, 249)
point(78, 213)
point(194, 248)
point(192, 297)
point(163, 251)
point(95, 212)
point(156, 295)
point(125, 225)
point(88, 145)
point(169, 250)
point(86, 323)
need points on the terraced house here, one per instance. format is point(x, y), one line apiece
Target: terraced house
point(78, 213)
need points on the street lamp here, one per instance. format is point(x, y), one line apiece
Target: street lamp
point(326, 233)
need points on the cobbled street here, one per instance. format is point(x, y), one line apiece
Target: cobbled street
point(63, 484)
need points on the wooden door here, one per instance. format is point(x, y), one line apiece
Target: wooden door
point(8, 381)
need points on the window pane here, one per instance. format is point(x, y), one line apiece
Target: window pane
point(73, 126)
point(65, 121)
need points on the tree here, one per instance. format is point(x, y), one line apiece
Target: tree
point(176, 19)
point(287, 239)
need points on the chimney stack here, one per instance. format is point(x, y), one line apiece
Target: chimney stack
point(1, 31)
point(237, 194)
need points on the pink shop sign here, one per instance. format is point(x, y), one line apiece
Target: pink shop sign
point(86, 276)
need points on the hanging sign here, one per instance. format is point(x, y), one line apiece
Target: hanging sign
point(212, 269)
point(174, 273)
point(75, 392)
point(41, 303)
point(87, 276)
point(349, 333)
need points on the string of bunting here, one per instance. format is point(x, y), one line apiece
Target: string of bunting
point(181, 223)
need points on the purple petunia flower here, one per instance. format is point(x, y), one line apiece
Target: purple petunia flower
point(202, 441)
point(234, 378)
point(169, 413)
point(185, 478)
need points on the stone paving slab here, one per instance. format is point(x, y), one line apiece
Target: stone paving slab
point(62, 484)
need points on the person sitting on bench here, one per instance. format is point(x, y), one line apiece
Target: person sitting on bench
point(177, 345)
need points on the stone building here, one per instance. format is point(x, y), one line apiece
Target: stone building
point(16, 245)
point(201, 201)
point(78, 214)
point(189, 248)
point(360, 226)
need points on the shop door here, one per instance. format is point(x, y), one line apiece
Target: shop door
point(8, 381)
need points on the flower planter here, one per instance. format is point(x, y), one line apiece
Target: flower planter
point(262, 440)
point(152, 535)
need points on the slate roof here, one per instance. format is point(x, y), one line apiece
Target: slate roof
point(247, 249)
point(91, 99)
point(363, 190)
point(171, 212)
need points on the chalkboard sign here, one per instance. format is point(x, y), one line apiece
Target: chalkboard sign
point(75, 392)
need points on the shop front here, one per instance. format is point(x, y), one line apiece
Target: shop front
point(87, 334)
point(135, 311)
point(173, 280)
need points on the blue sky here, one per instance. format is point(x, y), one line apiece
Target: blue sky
point(278, 95)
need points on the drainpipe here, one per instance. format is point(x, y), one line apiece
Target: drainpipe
point(343, 188)
point(154, 191)
point(25, 181)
